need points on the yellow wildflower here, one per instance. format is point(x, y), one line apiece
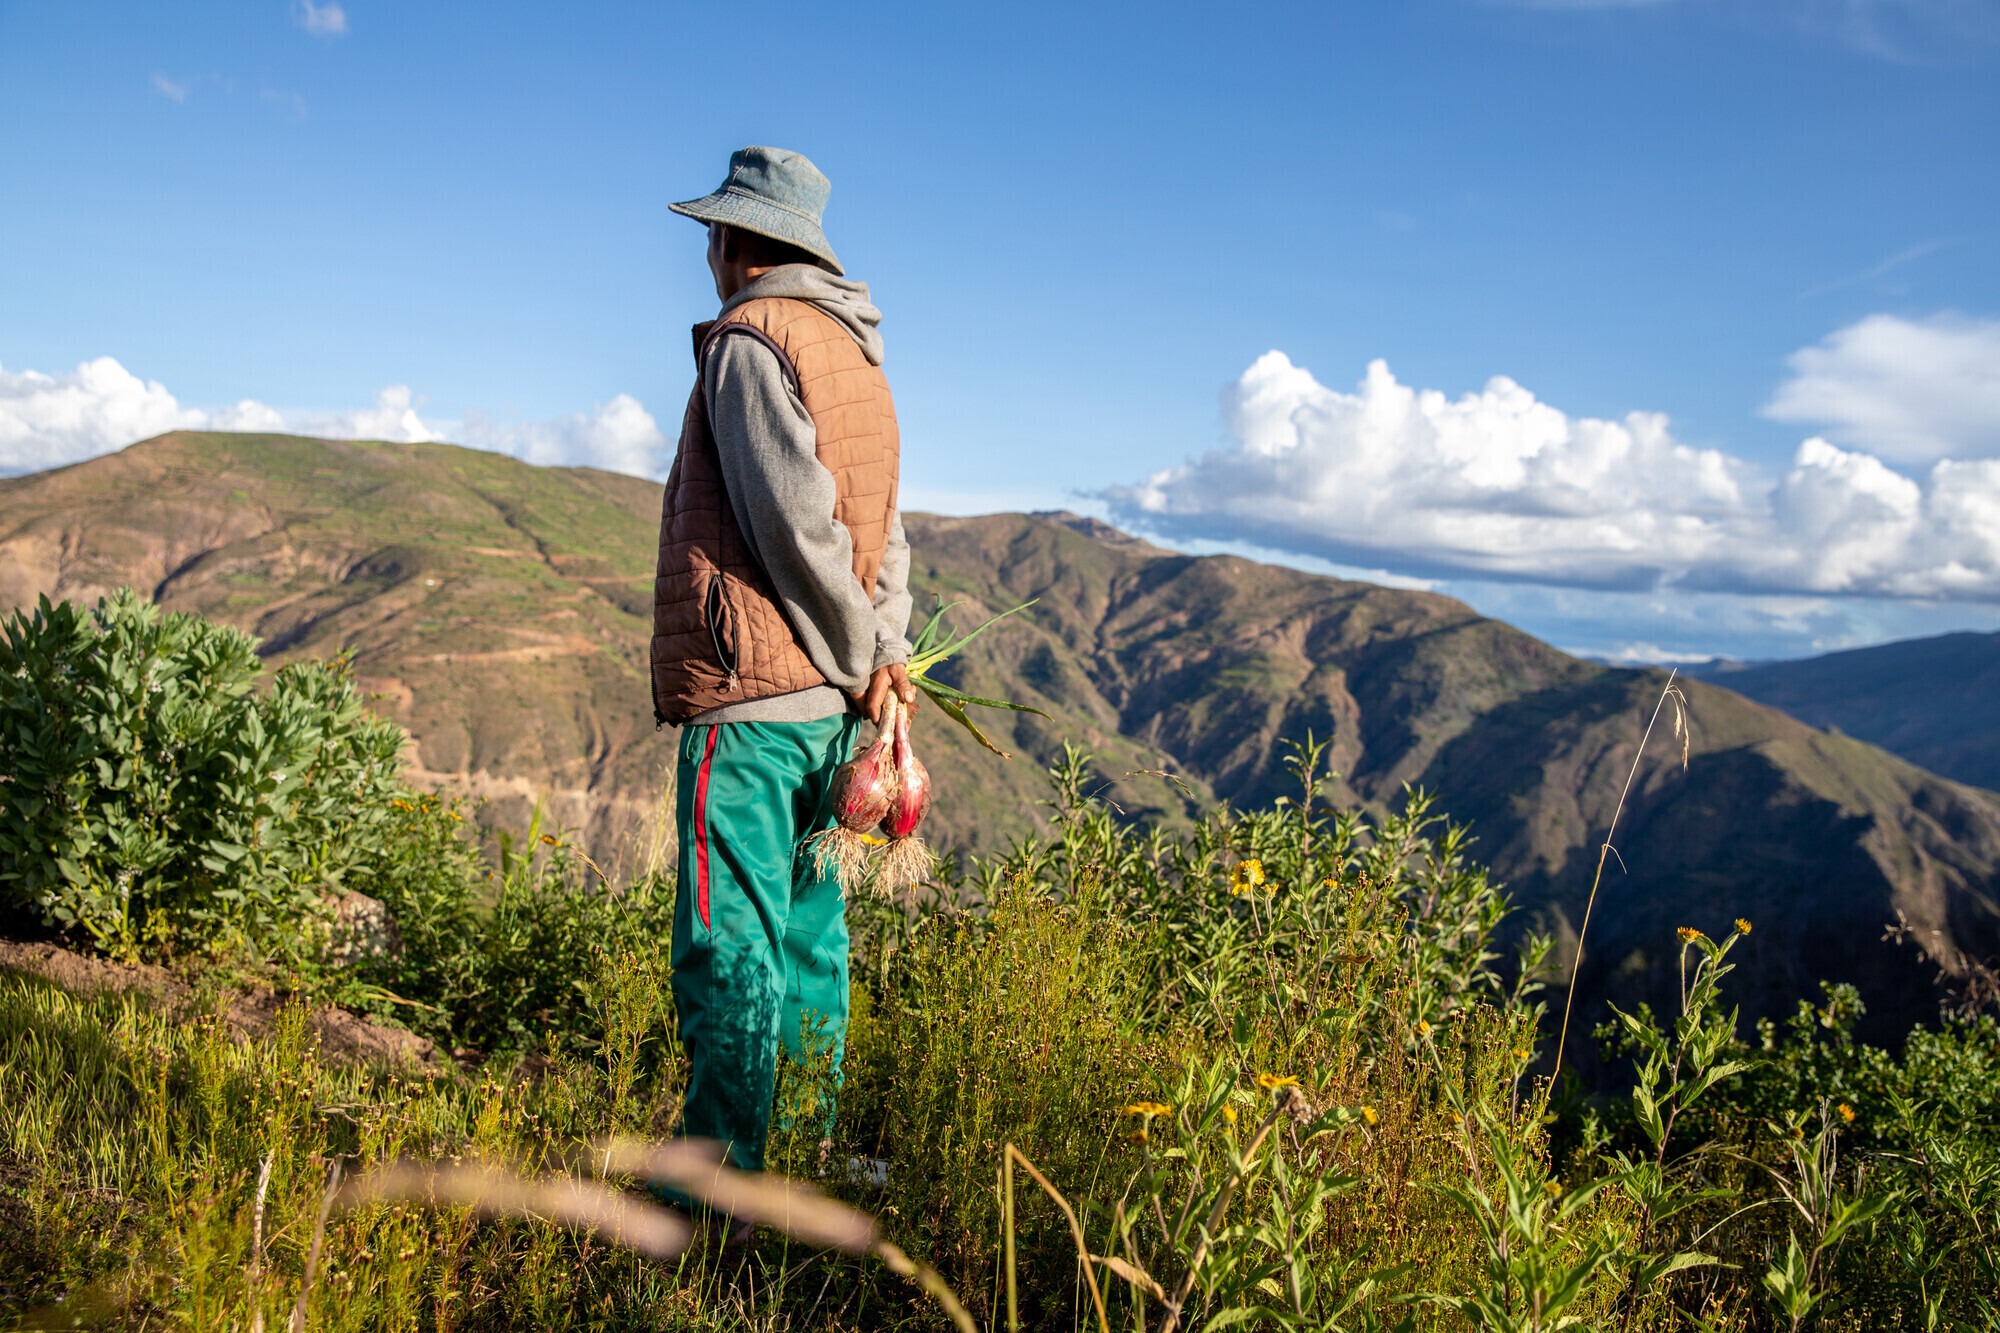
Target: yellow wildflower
point(1229, 1114)
point(1147, 1108)
point(1275, 1081)
point(1368, 1114)
point(1423, 1028)
point(1688, 934)
point(1846, 1112)
point(1553, 1188)
point(550, 841)
point(1246, 877)
point(1742, 926)
point(1520, 1054)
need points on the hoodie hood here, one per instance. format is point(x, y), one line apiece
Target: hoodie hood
point(845, 299)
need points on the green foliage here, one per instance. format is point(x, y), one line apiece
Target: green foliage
point(153, 797)
point(1677, 1067)
point(1886, 1168)
point(501, 958)
point(1287, 959)
point(1183, 1235)
point(1848, 1187)
point(1540, 1256)
point(142, 1136)
point(1267, 1071)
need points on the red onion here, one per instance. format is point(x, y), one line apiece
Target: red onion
point(913, 794)
point(865, 788)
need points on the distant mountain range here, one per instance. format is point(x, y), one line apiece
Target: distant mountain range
point(499, 612)
point(1935, 701)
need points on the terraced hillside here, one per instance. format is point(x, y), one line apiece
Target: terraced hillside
point(497, 609)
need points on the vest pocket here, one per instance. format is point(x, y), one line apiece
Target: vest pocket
point(720, 614)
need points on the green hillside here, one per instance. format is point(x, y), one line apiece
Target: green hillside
point(498, 611)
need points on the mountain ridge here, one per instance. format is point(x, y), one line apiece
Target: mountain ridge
point(1934, 700)
point(498, 611)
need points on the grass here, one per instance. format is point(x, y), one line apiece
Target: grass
point(1267, 1072)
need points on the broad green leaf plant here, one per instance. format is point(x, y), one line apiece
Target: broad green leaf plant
point(153, 797)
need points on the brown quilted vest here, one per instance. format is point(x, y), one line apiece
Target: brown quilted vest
point(720, 635)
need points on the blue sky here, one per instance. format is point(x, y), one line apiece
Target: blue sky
point(1088, 226)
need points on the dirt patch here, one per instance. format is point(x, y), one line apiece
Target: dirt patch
point(343, 1036)
point(84, 975)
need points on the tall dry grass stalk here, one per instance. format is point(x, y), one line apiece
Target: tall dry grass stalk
point(257, 1245)
point(1606, 851)
point(790, 1206)
point(660, 838)
point(489, 1191)
point(694, 1167)
point(1009, 1157)
point(328, 1198)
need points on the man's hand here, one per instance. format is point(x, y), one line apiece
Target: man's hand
point(891, 677)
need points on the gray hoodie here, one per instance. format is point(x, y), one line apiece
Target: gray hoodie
point(783, 500)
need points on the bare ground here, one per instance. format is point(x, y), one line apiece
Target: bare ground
point(343, 1036)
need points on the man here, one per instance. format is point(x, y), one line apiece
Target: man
point(780, 611)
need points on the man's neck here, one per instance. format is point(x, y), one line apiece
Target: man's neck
point(736, 277)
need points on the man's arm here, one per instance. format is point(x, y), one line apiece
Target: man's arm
point(892, 598)
point(783, 500)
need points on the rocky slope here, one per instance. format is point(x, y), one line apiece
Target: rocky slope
point(498, 611)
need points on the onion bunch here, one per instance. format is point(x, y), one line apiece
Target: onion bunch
point(886, 787)
point(864, 790)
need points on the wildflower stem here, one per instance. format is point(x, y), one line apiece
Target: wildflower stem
point(1270, 975)
point(1603, 853)
point(1172, 1322)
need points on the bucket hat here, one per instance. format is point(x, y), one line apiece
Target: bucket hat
point(773, 193)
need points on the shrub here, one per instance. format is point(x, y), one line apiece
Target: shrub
point(497, 958)
point(153, 796)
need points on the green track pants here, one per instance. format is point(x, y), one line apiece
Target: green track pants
point(760, 939)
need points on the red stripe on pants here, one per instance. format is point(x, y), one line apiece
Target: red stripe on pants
point(701, 827)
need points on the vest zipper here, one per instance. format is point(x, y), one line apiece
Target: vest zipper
point(725, 657)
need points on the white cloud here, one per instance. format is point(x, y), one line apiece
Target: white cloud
point(291, 105)
point(52, 420)
point(393, 417)
point(1903, 31)
point(619, 436)
point(1644, 653)
point(167, 88)
point(1907, 390)
point(247, 415)
point(328, 20)
point(1499, 485)
point(49, 420)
